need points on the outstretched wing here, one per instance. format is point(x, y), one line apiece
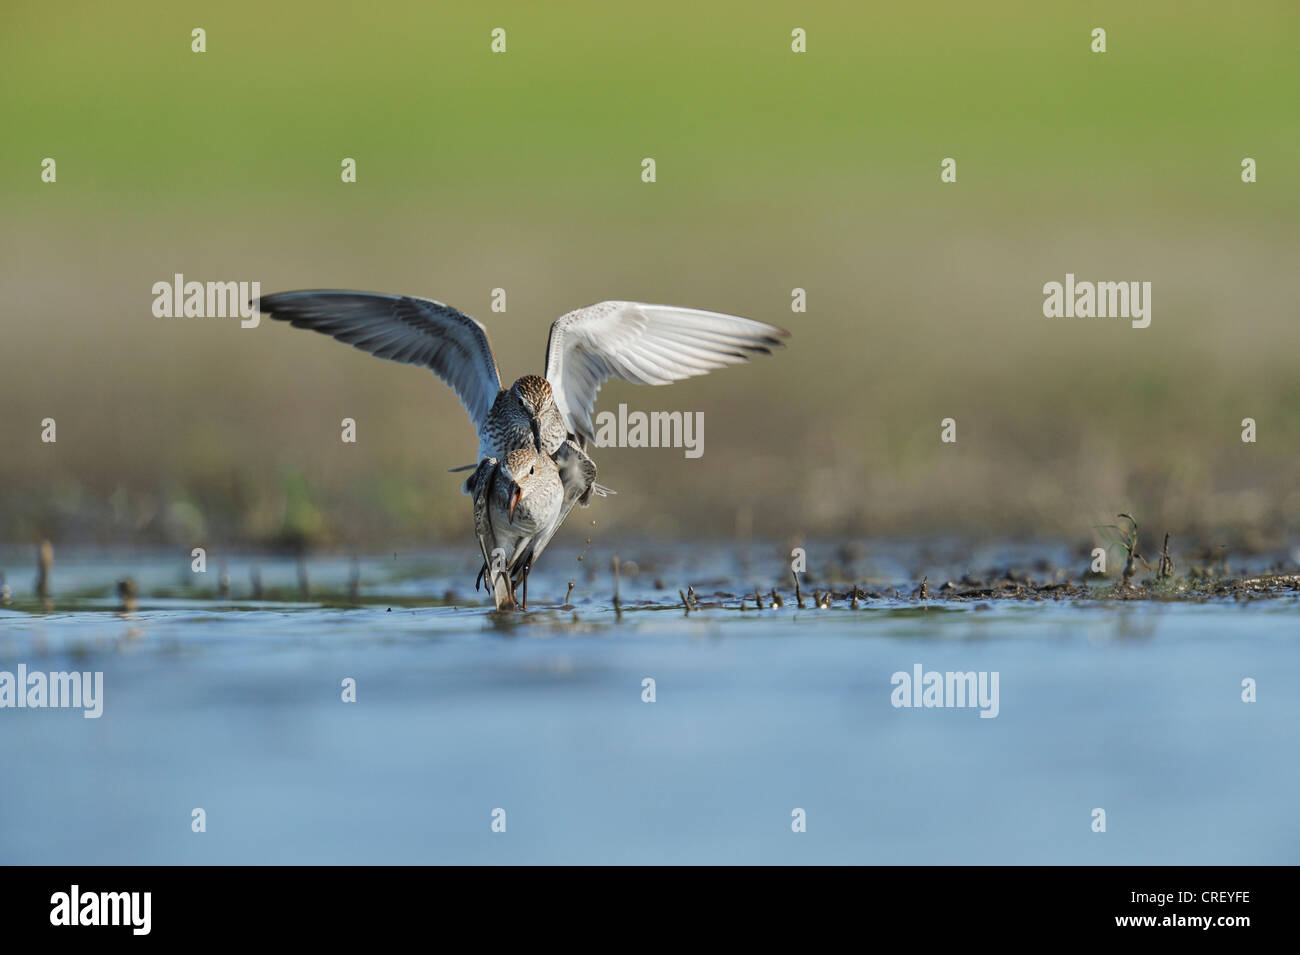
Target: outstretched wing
point(417, 331)
point(645, 344)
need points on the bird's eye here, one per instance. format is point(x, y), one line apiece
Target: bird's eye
point(532, 469)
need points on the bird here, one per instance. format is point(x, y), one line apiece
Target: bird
point(515, 500)
point(551, 413)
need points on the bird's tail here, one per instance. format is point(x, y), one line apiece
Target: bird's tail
point(500, 585)
point(502, 593)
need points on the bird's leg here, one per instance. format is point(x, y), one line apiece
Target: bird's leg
point(524, 604)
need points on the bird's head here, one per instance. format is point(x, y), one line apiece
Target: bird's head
point(521, 467)
point(534, 393)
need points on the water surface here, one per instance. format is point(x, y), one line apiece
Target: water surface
point(236, 708)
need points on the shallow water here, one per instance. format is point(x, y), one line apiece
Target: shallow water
point(1131, 707)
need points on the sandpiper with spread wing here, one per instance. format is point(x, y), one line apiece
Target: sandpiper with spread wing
point(533, 464)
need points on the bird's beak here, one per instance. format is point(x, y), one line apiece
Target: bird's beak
point(516, 495)
point(537, 434)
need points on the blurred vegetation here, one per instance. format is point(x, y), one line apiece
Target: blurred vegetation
point(775, 170)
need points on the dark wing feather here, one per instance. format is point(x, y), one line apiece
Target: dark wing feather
point(416, 331)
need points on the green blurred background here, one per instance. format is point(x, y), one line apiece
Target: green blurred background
point(775, 170)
